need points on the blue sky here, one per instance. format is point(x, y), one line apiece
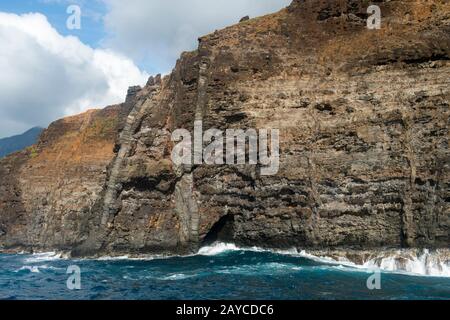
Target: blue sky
point(92, 31)
point(49, 71)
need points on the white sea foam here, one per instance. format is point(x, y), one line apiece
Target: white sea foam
point(421, 263)
point(132, 258)
point(269, 268)
point(408, 261)
point(178, 276)
point(37, 269)
point(324, 259)
point(218, 248)
point(47, 256)
point(32, 269)
point(108, 258)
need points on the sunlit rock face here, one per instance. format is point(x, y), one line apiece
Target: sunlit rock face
point(364, 162)
point(47, 191)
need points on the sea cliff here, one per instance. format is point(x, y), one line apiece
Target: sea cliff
point(363, 117)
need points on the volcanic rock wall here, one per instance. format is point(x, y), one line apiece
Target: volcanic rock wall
point(363, 118)
point(47, 191)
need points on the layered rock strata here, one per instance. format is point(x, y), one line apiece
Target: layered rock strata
point(364, 161)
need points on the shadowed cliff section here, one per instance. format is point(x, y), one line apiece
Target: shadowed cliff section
point(363, 116)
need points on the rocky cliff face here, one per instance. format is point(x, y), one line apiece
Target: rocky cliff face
point(47, 191)
point(364, 161)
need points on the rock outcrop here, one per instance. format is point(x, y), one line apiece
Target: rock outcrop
point(364, 161)
point(47, 191)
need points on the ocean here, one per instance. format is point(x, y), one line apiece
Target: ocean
point(221, 271)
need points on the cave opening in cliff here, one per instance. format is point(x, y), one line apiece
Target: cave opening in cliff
point(222, 231)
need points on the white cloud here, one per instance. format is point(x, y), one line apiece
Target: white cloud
point(45, 76)
point(158, 31)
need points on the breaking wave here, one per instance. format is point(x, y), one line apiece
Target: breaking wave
point(218, 248)
point(32, 269)
point(416, 262)
point(428, 263)
point(37, 269)
point(406, 261)
point(42, 257)
point(214, 271)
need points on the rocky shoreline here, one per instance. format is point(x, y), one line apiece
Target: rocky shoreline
point(363, 117)
point(413, 262)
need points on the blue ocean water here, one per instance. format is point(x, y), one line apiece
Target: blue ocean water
point(225, 274)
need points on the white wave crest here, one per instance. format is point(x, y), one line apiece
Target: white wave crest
point(119, 258)
point(406, 261)
point(47, 256)
point(177, 276)
point(218, 248)
point(37, 269)
point(428, 263)
point(32, 269)
point(144, 257)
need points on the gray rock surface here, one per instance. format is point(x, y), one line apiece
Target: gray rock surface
point(363, 117)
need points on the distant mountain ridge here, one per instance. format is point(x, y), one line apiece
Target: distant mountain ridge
point(19, 142)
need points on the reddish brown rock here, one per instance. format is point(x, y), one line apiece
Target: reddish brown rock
point(48, 190)
point(363, 116)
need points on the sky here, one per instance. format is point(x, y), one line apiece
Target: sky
point(48, 71)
